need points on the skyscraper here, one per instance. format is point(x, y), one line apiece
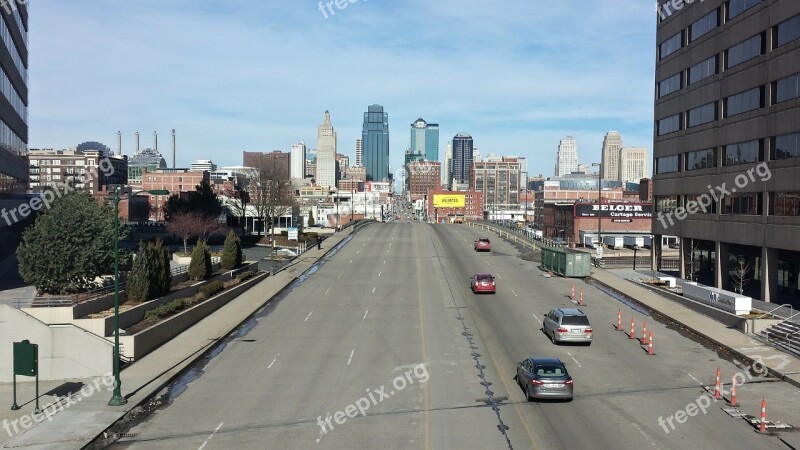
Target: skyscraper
point(14, 115)
point(448, 161)
point(633, 164)
point(567, 157)
point(375, 138)
point(298, 160)
point(359, 152)
point(425, 139)
point(326, 153)
point(461, 165)
point(612, 146)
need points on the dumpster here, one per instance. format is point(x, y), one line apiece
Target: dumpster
point(566, 262)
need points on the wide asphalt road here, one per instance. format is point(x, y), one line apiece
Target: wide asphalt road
point(388, 327)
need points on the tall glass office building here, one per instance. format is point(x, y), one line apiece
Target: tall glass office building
point(425, 139)
point(14, 101)
point(375, 137)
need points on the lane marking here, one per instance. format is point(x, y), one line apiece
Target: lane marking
point(351, 261)
point(384, 262)
point(373, 289)
point(515, 294)
point(211, 436)
point(327, 290)
point(273, 361)
point(644, 434)
point(537, 319)
point(340, 276)
point(693, 378)
point(365, 314)
point(309, 315)
point(358, 252)
point(350, 359)
point(379, 274)
point(576, 361)
point(500, 276)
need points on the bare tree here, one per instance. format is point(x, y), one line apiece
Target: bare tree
point(208, 226)
point(690, 260)
point(184, 225)
point(238, 200)
point(271, 193)
point(741, 275)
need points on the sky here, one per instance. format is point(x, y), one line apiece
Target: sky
point(251, 75)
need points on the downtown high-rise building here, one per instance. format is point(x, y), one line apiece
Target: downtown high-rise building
point(461, 164)
point(425, 139)
point(448, 161)
point(633, 164)
point(567, 159)
point(612, 147)
point(727, 144)
point(326, 153)
point(359, 153)
point(375, 138)
point(298, 160)
point(14, 112)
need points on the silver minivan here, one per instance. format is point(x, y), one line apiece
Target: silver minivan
point(567, 325)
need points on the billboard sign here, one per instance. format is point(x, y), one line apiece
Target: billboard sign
point(449, 200)
point(615, 210)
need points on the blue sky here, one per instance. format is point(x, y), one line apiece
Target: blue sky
point(245, 75)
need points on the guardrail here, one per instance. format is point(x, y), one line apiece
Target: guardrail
point(769, 313)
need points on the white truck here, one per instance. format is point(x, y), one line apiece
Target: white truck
point(614, 242)
point(633, 241)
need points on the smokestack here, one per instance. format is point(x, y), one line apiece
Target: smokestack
point(173, 148)
point(155, 140)
point(119, 143)
point(137, 142)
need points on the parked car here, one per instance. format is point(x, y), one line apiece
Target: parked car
point(483, 282)
point(544, 377)
point(483, 245)
point(567, 325)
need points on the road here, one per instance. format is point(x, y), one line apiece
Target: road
point(390, 326)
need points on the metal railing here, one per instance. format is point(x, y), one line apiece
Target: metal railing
point(791, 311)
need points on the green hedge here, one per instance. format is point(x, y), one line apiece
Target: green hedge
point(244, 276)
point(212, 289)
point(165, 310)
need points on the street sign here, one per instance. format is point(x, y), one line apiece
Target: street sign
point(292, 233)
point(26, 358)
point(599, 250)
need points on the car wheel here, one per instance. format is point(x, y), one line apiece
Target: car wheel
point(528, 393)
point(553, 338)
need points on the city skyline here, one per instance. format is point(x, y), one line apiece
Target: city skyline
point(261, 110)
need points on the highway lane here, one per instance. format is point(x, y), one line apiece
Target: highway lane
point(620, 392)
point(376, 310)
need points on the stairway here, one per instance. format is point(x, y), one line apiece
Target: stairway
point(784, 335)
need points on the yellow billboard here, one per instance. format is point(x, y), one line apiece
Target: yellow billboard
point(448, 200)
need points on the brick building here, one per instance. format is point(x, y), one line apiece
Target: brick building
point(568, 220)
point(472, 210)
point(424, 176)
point(277, 157)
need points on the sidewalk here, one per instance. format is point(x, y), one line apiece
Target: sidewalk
point(783, 365)
point(82, 422)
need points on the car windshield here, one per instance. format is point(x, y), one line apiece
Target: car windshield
point(484, 241)
point(551, 370)
point(575, 320)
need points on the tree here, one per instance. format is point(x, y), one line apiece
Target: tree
point(137, 286)
point(237, 200)
point(69, 245)
point(200, 267)
point(232, 253)
point(270, 191)
point(690, 260)
point(311, 221)
point(741, 275)
point(203, 200)
point(150, 276)
point(184, 225)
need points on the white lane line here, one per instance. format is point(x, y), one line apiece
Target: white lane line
point(350, 359)
point(537, 319)
point(358, 252)
point(515, 294)
point(351, 261)
point(379, 273)
point(340, 276)
point(487, 263)
point(384, 262)
point(652, 444)
point(327, 290)
point(273, 362)
point(694, 378)
point(373, 289)
point(308, 316)
point(212, 435)
point(576, 361)
point(365, 314)
point(500, 276)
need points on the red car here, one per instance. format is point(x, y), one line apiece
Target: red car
point(483, 282)
point(483, 245)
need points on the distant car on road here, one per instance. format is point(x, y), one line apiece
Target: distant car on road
point(483, 282)
point(567, 325)
point(483, 245)
point(544, 377)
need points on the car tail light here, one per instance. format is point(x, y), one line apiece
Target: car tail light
point(588, 330)
point(568, 382)
point(537, 382)
point(563, 330)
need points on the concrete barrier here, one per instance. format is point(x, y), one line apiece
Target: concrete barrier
point(718, 298)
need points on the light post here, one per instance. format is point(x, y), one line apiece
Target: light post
point(352, 200)
point(599, 205)
point(116, 397)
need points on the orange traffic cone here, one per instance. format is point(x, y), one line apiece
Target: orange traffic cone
point(763, 427)
point(650, 351)
point(633, 329)
point(733, 392)
point(717, 394)
point(644, 333)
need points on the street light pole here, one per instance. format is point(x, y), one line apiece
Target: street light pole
point(599, 204)
point(116, 398)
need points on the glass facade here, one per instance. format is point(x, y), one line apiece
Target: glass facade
point(701, 159)
point(671, 45)
point(741, 153)
point(668, 164)
point(786, 89)
point(703, 70)
point(375, 138)
point(669, 124)
point(788, 31)
point(14, 171)
point(703, 114)
point(784, 204)
point(704, 25)
point(736, 7)
point(743, 102)
point(744, 51)
point(786, 146)
point(670, 85)
point(745, 204)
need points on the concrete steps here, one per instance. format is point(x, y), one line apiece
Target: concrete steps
point(785, 335)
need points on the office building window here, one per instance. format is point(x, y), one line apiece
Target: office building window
point(666, 203)
point(703, 114)
point(668, 164)
point(743, 102)
point(736, 7)
point(701, 159)
point(786, 146)
point(670, 85)
point(744, 51)
point(703, 70)
point(786, 89)
point(671, 45)
point(784, 204)
point(788, 31)
point(704, 25)
point(744, 204)
point(669, 124)
point(705, 203)
point(744, 152)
